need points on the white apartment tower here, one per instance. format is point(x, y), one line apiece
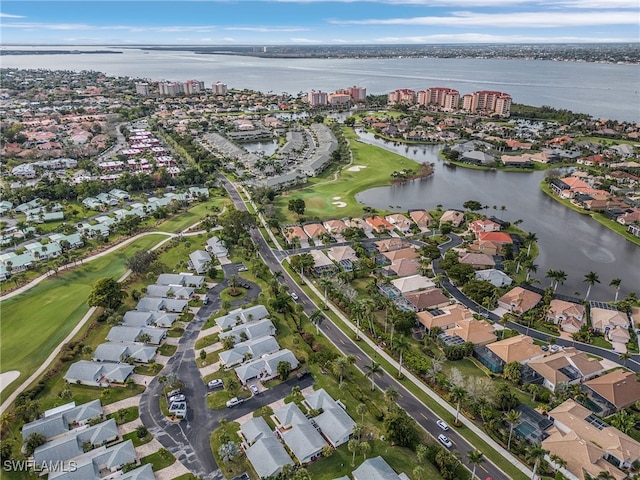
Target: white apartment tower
point(219, 88)
point(142, 88)
point(317, 99)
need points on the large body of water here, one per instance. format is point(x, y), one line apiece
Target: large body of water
point(602, 90)
point(567, 240)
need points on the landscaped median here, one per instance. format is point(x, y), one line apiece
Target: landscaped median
point(412, 384)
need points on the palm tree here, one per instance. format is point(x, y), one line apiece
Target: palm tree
point(352, 446)
point(604, 475)
point(317, 318)
point(616, 283)
point(401, 346)
point(624, 357)
point(361, 410)
point(371, 370)
point(339, 367)
point(458, 394)
point(591, 278)
point(530, 238)
point(559, 278)
point(511, 417)
point(530, 267)
point(535, 454)
point(475, 457)
point(391, 394)
point(558, 462)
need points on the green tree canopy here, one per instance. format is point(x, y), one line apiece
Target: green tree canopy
point(297, 205)
point(107, 293)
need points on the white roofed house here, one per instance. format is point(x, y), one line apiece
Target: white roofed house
point(400, 222)
point(242, 315)
point(98, 374)
point(122, 352)
point(250, 330)
point(200, 261)
point(62, 419)
point(169, 291)
point(122, 333)
point(249, 349)
point(265, 367)
point(153, 304)
point(376, 468)
point(334, 422)
point(268, 456)
point(216, 247)
point(298, 433)
point(186, 280)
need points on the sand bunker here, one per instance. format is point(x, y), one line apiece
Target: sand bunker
point(336, 198)
point(356, 168)
point(339, 204)
point(7, 377)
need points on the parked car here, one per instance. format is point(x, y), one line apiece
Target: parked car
point(217, 383)
point(177, 398)
point(554, 348)
point(205, 301)
point(544, 348)
point(442, 425)
point(242, 268)
point(254, 389)
point(294, 295)
point(234, 401)
point(173, 393)
point(445, 440)
point(303, 373)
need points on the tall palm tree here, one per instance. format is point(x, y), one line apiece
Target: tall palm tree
point(529, 239)
point(391, 394)
point(511, 417)
point(535, 454)
point(457, 394)
point(591, 278)
point(560, 277)
point(339, 367)
point(530, 267)
point(558, 462)
point(317, 317)
point(616, 283)
point(401, 346)
point(475, 457)
point(370, 371)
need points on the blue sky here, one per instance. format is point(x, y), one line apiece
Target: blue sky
point(219, 22)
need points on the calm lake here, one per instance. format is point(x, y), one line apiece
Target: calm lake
point(567, 240)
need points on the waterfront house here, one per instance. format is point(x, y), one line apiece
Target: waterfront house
point(569, 316)
point(455, 217)
point(519, 300)
point(422, 219)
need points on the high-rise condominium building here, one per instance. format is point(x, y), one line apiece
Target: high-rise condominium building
point(445, 99)
point(317, 98)
point(403, 96)
point(488, 102)
point(142, 88)
point(219, 88)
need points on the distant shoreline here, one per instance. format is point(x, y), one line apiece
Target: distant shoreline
point(57, 52)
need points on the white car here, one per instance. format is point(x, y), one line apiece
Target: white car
point(294, 295)
point(445, 441)
point(234, 401)
point(177, 398)
point(442, 425)
point(243, 269)
point(254, 389)
point(215, 383)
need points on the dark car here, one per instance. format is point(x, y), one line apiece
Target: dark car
point(303, 373)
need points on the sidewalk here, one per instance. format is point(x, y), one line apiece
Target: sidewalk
point(124, 403)
point(468, 423)
point(209, 331)
point(172, 471)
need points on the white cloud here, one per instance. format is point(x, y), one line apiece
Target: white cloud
point(508, 20)
point(305, 40)
point(8, 15)
point(267, 29)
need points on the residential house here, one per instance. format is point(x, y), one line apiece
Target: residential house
point(268, 456)
point(484, 225)
point(254, 429)
point(391, 244)
point(119, 194)
point(497, 278)
point(297, 432)
point(477, 260)
point(404, 267)
point(61, 419)
point(376, 468)
point(568, 316)
point(293, 232)
point(71, 444)
point(519, 349)
point(250, 330)
point(200, 261)
point(614, 391)
point(499, 238)
point(315, 231)
point(412, 283)
point(403, 253)
point(422, 219)
point(266, 367)
point(566, 367)
point(92, 203)
point(335, 227)
point(170, 291)
point(345, 256)
point(577, 429)
point(94, 231)
point(216, 247)
point(484, 246)
point(322, 265)
point(379, 224)
point(154, 304)
point(605, 317)
point(132, 334)
point(98, 374)
point(445, 317)
point(478, 332)
point(426, 299)
point(455, 217)
point(254, 348)
point(242, 315)
point(519, 300)
point(335, 424)
point(184, 279)
point(399, 222)
point(121, 352)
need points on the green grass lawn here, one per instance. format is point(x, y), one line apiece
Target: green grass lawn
point(151, 369)
point(159, 460)
point(35, 322)
point(240, 464)
point(379, 163)
point(167, 350)
point(192, 215)
point(137, 441)
point(206, 341)
point(125, 415)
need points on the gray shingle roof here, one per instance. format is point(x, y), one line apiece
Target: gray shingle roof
point(375, 469)
point(254, 429)
point(60, 422)
point(88, 465)
point(268, 456)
